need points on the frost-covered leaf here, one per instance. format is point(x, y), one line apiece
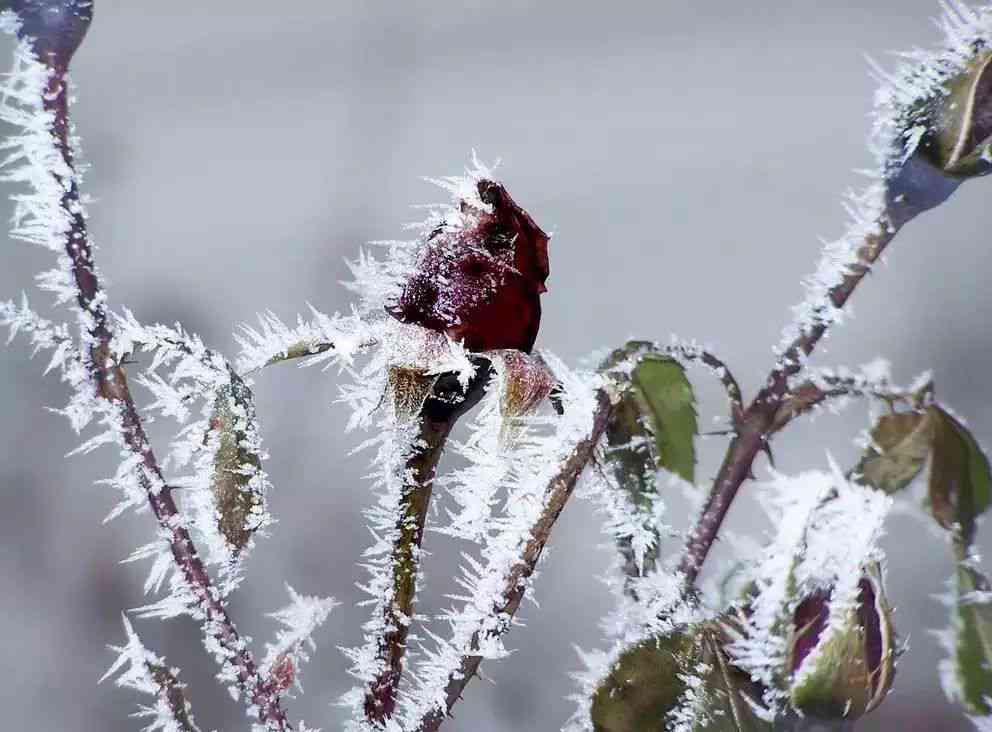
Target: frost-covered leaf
point(967, 674)
point(666, 399)
point(729, 699)
point(652, 426)
point(900, 444)
point(680, 682)
point(960, 487)
point(237, 483)
point(645, 684)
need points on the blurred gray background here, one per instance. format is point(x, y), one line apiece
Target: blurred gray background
point(687, 156)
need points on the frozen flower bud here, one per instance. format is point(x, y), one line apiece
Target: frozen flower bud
point(480, 276)
point(57, 27)
point(959, 138)
point(842, 659)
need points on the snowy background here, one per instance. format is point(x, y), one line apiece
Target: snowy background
point(686, 156)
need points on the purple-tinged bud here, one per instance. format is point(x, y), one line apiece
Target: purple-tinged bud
point(56, 27)
point(842, 660)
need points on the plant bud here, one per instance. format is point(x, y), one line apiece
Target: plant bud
point(480, 276)
point(56, 27)
point(842, 663)
point(959, 140)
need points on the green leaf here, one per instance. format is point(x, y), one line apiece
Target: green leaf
point(960, 487)
point(650, 684)
point(972, 628)
point(645, 684)
point(727, 707)
point(652, 426)
point(899, 449)
point(665, 396)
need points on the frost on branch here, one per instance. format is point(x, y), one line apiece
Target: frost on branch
point(225, 493)
point(907, 178)
point(294, 641)
point(324, 338)
point(141, 670)
point(487, 584)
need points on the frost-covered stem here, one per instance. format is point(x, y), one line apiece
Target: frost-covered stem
point(172, 694)
point(760, 420)
point(380, 697)
point(557, 494)
point(687, 352)
point(808, 395)
point(110, 383)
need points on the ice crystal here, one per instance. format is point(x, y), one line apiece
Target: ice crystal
point(294, 641)
point(526, 472)
point(139, 669)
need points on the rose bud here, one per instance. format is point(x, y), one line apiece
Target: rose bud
point(842, 666)
point(959, 139)
point(56, 27)
point(480, 278)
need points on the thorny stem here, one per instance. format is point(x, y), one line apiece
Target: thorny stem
point(558, 492)
point(438, 415)
point(763, 416)
point(718, 367)
point(808, 395)
point(110, 383)
point(171, 691)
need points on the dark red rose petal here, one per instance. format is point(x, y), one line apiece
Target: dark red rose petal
point(481, 284)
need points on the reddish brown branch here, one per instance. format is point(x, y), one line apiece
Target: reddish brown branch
point(762, 417)
point(110, 383)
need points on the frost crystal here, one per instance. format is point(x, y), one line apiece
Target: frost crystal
point(143, 671)
point(294, 642)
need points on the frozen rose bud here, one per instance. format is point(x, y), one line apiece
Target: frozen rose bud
point(480, 278)
point(57, 27)
point(959, 140)
point(842, 667)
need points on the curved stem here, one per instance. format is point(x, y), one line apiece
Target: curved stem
point(762, 417)
point(110, 384)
